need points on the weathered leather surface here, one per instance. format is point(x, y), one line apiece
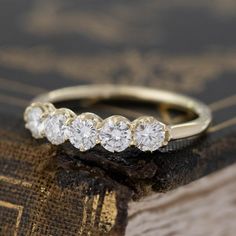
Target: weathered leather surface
point(187, 47)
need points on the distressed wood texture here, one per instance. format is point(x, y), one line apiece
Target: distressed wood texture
point(204, 207)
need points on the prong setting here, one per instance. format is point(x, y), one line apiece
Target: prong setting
point(56, 125)
point(83, 132)
point(115, 134)
point(86, 130)
point(34, 117)
point(149, 133)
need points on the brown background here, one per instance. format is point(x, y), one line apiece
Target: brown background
point(187, 46)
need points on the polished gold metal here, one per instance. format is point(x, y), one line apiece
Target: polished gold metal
point(177, 131)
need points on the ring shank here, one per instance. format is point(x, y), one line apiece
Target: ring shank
point(178, 131)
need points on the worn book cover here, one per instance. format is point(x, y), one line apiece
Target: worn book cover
point(183, 46)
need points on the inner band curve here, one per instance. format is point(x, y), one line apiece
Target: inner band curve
point(177, 131)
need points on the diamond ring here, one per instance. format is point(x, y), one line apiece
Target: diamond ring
point(115, 133)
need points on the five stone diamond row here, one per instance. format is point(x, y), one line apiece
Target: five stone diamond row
point(84, 131)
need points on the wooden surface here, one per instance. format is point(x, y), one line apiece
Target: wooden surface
point(204, 207)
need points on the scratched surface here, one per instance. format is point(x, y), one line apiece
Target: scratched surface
point(187, 47)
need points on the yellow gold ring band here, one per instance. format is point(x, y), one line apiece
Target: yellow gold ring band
point(115, 133)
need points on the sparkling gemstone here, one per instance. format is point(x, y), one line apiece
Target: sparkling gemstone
point(115, 134)
point(56, 129)
point(83, 133)
point(34, 121)
point(149, 134)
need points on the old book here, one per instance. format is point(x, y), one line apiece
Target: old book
point(55, 190)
